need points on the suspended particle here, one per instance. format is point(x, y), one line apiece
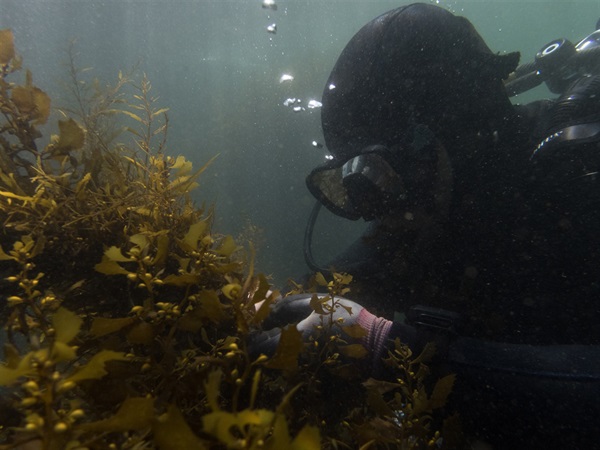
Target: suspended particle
point(272, 28)
point(317, 144)
point(312, 104)
point(286, 77)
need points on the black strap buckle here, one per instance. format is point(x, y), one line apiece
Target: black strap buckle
point(435, 319)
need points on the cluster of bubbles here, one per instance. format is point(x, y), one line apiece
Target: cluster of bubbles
point(270, 4)
point(295, 104)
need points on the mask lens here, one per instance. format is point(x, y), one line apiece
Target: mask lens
point(365, 186)
point(372, 186)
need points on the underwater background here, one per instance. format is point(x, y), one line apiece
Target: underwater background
point(218, 68)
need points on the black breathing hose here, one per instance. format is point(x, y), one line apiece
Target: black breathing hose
point(310, 226)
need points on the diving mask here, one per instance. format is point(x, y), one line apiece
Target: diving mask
point(376, 181)
point(364, 186)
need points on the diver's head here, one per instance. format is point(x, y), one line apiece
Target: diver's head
point(412, 80)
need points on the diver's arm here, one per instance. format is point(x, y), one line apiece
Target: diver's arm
point(296, 309)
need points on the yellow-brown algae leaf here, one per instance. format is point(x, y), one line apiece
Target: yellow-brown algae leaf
point(140, 240)
point(135, 413)
point(224, 425)
point(212, 387)
point(7, 46)
point(66, 324)
point(226, 247)
point(71, 135)
point(264, 309)
point(190, 321)
point(171, 432)
point(316, 303)
point(320, 279)
point(9, 375)
point(231, 290)
point(375, 391)
point(102, 326)
point(280, 437)
point(289, 347)
point(114, 254)
point(94, 368)
point(342, 278)
point(441, 390)
point(210, 306)
point(12, 358)
point(421, 403)
point(356, 351)
point(307, 439)
point(108, 267)
point(142, 333)
point(42, 102)
point(196, 230)
point(3, 255)
point(354, 330)
point(182, 166)
point(22, 96)
point(32, 101)
point(62, 352)
point(184, 279)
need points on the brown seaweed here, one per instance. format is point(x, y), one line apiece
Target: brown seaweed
point(127, 316)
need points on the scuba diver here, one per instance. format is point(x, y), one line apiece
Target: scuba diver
point(483, 218)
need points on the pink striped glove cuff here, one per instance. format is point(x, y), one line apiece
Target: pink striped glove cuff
point(377, 329)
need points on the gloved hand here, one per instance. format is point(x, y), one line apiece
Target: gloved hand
point(296, 309)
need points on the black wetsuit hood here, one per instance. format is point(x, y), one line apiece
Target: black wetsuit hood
point(417, 64)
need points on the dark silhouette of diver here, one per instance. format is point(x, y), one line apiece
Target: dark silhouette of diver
point(484, 218)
